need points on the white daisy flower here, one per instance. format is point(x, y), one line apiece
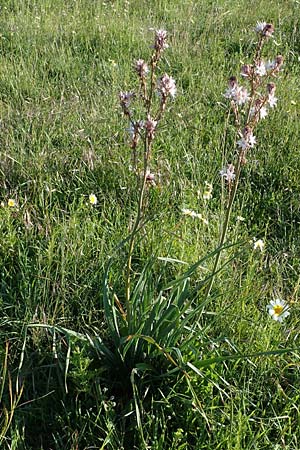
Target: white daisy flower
point(93, 199)
point(278, 309)
point(194, 215)
point(207, 194)
point(259, 244)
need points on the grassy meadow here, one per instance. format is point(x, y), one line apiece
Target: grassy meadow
point(186, 370)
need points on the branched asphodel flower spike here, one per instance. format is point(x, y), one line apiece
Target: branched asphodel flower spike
point(143, 131)
point(249, 106)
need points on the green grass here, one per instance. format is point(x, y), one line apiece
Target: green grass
point(62, 137)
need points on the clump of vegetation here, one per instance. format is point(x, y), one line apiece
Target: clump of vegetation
point(139, 282)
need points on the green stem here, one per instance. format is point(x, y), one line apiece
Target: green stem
point(226, 222)
point(140, 207)
point(238, 168)
point(136, 227)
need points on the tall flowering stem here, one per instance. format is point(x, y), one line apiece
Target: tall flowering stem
point(249, 107)
point(143, 130)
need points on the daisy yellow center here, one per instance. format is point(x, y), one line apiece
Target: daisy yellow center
point(278, 309)
point(93, 199)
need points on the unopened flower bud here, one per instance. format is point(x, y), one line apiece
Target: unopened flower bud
point(268, 30)
point(150, 127)
point(232, 83)
point(247, 139)
point(228, 173)
point(160, 40)
point(278, 62)
point(246, 131)
point(271, 88)
point(258, 103)
point(141, 68)
point(166, 86)
point(134, 131)
point(246, 70)
point(258, 111)
point(150, 178)
point(125, 99)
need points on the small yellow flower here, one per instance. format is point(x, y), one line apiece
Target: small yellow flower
point(11, 202)
point(93, 199)
point(207, 195)
point(113, 62)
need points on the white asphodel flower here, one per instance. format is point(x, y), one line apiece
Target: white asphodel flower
point(247, 140)
point(260, 69)
point(260, 112)
point(263, 112)
point(160, 40)
point(230, 93)
point(270, 65)
point(150, 127)
point(238, 94)
point(166, 86)
point(272, 101)
point(241, 95)
point(243, 143)
point(228, 173)
point(260, 26)
point(141, 67)
point(251, 140)
point(278, 309)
